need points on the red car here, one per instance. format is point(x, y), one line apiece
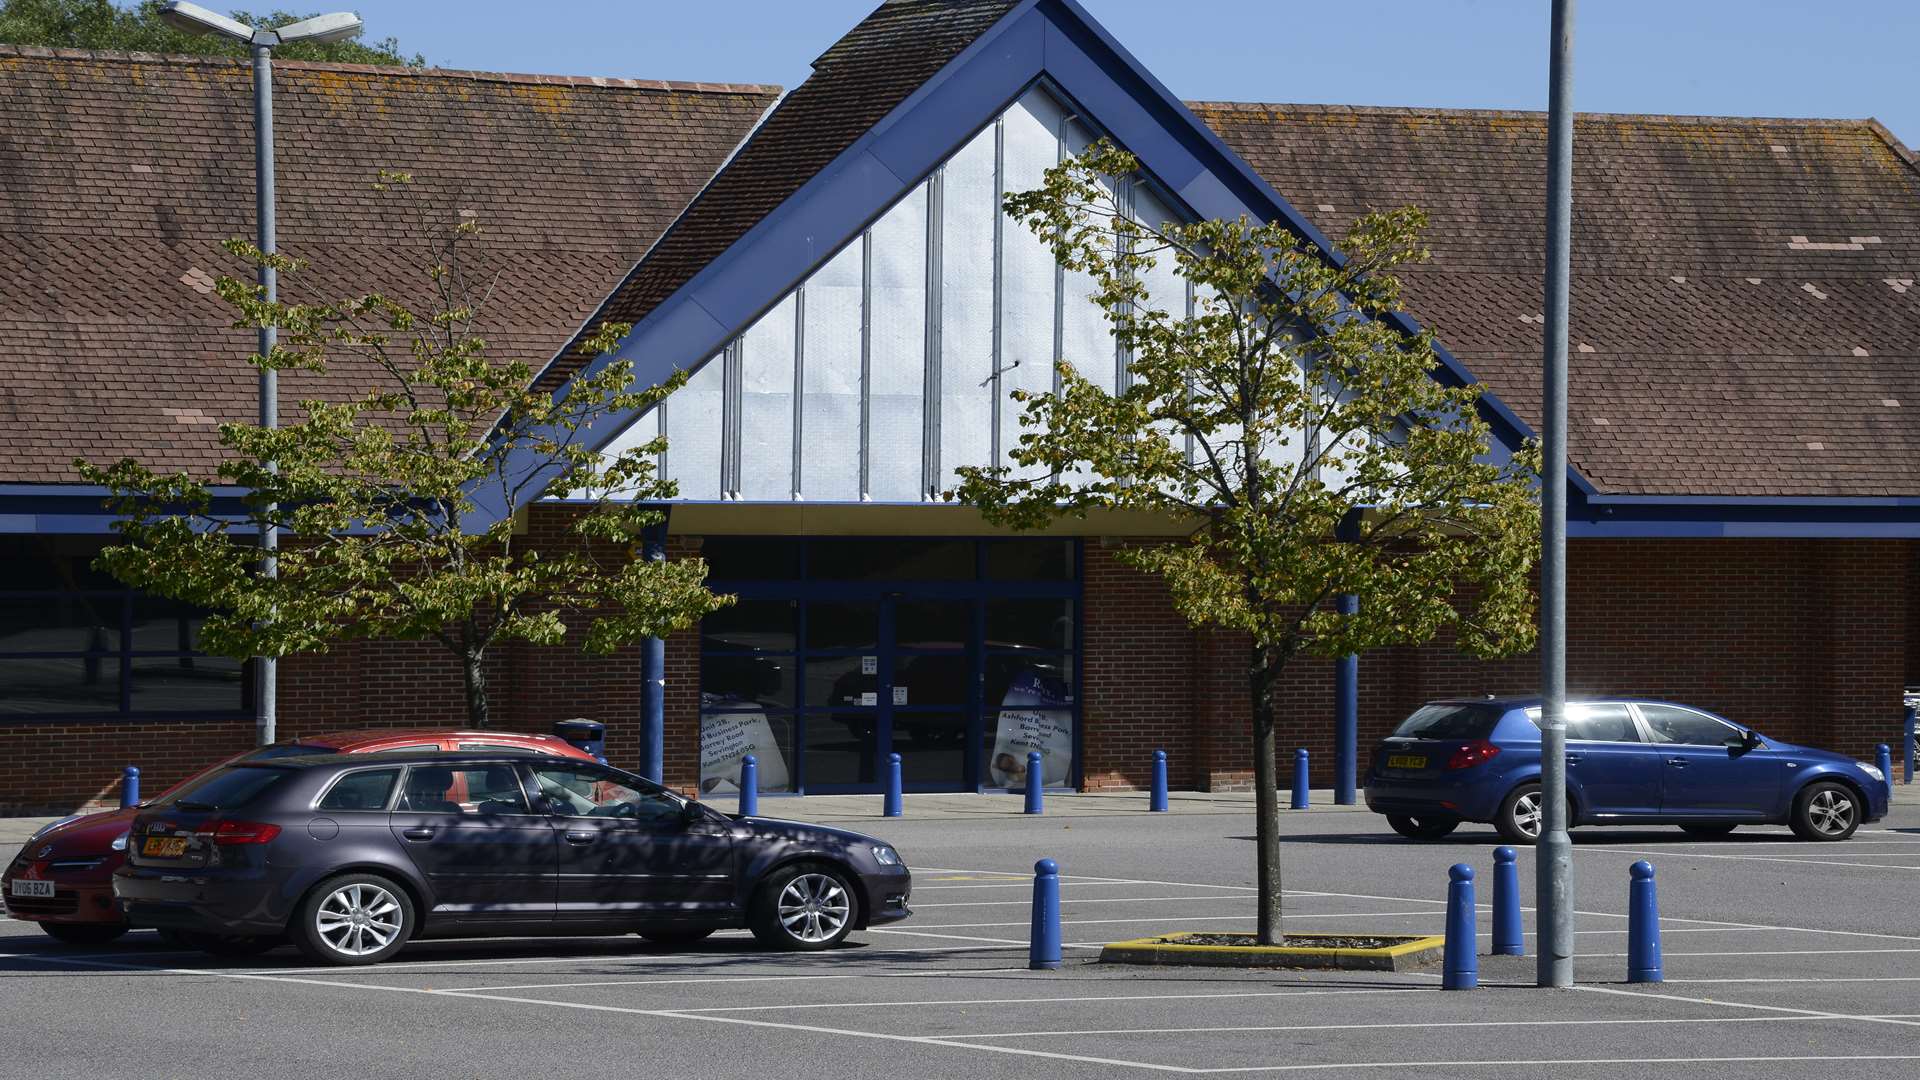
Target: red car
point(63, 877)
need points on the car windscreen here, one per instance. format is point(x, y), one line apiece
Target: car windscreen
point(225, 789)
point(1449, 720)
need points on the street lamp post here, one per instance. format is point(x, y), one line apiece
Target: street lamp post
point(337, 26)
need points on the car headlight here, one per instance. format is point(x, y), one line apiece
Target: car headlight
point(1873, 771)
point(52, 825)
point(120, 842)
point(886, 856)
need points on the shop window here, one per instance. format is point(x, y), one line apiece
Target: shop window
point(1030, 560)
point(891, 560)
point(1034, 624)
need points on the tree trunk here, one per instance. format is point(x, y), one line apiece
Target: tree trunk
point(474, 674)
point(1266, 799)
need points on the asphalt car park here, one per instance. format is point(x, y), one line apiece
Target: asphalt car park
point(1781, 958)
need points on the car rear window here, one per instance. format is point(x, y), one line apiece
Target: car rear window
point(1449, 720)
point(226, 789)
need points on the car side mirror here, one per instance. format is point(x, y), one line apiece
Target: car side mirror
point(689, 813)
point(1750, 739)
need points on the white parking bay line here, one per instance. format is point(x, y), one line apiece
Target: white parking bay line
point(1424, 1025)
point(1023, 901)
point(1722, 1003)
point(684, 981)
point(1509, 1064)
point(1077, 999)
point(1798, 860)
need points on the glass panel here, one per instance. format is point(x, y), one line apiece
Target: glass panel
point(727, 738)
point(61, 623)
point(480, 790)
point(932, 679)
point(188, 684)
point(1449, 721)
point(1009, 676)
point(830, 457)
point(1030, 560)
point(932, 748)
point(933, 624)
point(967, 265)
point(766, 406)
point(52, 562)
point(843, 626)
point(573, 791)
point(694, 416)
point(733, 558)
point(361, 790)
point(842, 680)
point(891, 560)
point(752, 624)
point(1039, 624)
point(1601, 723)
point(729, 682)
point(48, 685)
point(1032, 137)
point(840, 748)
point(898, 333)
point(1672, 725)
point(228, 788)
point(1016, 732)
point(163, 625)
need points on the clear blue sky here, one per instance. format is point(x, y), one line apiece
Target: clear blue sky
point(1831, 58)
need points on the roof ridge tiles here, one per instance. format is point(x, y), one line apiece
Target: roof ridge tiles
point(1528, 114)
point(41, 52)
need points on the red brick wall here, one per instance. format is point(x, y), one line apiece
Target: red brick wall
point(1808, 640)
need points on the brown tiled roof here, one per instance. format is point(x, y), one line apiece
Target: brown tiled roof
point(121, 173)
point(855, 83)
point(1745, 316)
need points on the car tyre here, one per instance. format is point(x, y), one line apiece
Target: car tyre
point(1425, 827)
point(805, 907)
point(84, 933)
point(354, 919)
point(1708, 829)
point(1521, 815)
point(1826, 811)
point(676, 935)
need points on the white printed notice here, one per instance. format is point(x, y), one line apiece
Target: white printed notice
point(728, 737)
point(1033, 716)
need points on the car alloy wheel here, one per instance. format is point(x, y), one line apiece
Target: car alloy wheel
point(356, 919)
point(1521, 815)
point(1827, 812)
point(805, 907)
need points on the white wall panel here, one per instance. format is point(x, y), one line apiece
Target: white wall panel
point(694, 433)
point(830, 451)
point(766, 406)
point(1027, 290)
point(898, 368)
point(967, 266)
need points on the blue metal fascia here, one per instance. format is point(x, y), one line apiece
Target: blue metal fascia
point(1055, 40)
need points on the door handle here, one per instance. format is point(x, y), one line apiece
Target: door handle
point(1677, 762)
point(581, 837)
point(1573, 759)
point(423, 832)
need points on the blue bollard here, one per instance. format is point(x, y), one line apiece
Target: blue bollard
point(1909, 742)
point(1300, 779)
point(129, 787)
point(1508, 939)
point(1034, 804)
point(1643, 926)
point(890, 806)
point(1461, 969)
point(1043, 949)
point(1157, 800)
point(749, 785)
point(1884, 759)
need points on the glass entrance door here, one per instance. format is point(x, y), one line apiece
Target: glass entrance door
point(958, 655)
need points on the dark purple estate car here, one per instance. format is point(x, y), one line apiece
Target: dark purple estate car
point(351, 856)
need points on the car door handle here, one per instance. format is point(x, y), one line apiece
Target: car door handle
point(1677, 762)
point(423, 832)
point(582, 837)
point(1574, 759)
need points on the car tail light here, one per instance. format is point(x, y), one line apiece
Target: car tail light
point(1467, 755)
point(230, 833)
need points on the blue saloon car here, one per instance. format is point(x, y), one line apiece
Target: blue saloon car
point(1629, 762)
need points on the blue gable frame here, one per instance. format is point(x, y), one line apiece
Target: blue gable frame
point(1058, 43)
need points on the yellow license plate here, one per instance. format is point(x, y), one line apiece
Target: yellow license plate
point(164, 847)
point(1397, 761)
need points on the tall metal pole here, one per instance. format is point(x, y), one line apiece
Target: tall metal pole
point(1554, 886)
point(269, 382)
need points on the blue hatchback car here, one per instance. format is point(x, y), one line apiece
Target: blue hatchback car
point(1629, 762)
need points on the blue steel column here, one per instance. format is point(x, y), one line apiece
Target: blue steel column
point(653, 676)
point(1554, 865)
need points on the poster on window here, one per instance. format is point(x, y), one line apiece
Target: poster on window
point(726, 738)
point(1036, 714)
